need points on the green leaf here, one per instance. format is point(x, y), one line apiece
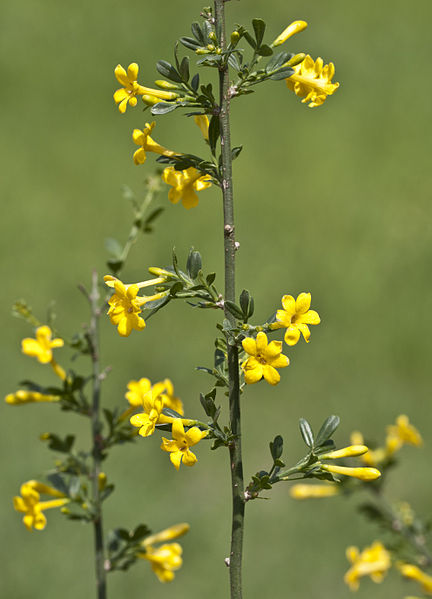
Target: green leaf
point(276, 447)
point(234, 309)
point(167, 70)
point(198, 33)
point(190, 43)
point(264, 50)
point(195, 82)
point(146, 227)
point(164, 107)
point(282, 74)
point(210, 278)
point(277, 60)
point(184, 69)
point(113, 247)
point(234, 62)
point(213, 133)
point(306, 432)
point(58, 483)
point(235, 152)
point(259, 29)
point(326, 431)
point(250, 40)
point(140, 532)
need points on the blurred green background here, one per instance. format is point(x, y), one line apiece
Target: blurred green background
point(334, 200)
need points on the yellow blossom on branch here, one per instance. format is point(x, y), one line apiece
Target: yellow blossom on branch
point(178, 447)
point(41, 347)
point(292, 29)
point(373, 561)
point(264, 359)
point(184, 185)
point(142, 138)
point(312, 81)
point(402, 433)
point(295, 317)
point(153, 399)
point(125, 305)
point(414, 573)
point(302, 491)
point(136, 392)
point(164, 560)
point(146, 421)
point(23, 396)
point(365, 474)
point(131, 88)
point(29, 503)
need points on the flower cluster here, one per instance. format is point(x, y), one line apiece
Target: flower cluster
point(399, 434)
point(185, 183)
point(152, 400)
point(265, 357)
point(373, 561)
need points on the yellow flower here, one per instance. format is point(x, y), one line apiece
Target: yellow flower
point(292, 29)
point(178, 448)
point(312, 81)
point(153, 400)
point(373, 561)
point(401, 433)
point(295, 316)
point(22, 396)
point(152, 403)
point(264, 359)
point(202, 121)
point(125, 306)
point(365, 474)
point(372, 457)
point(301, 491)
point(414, 573)
point(41, 347)
point(185, 184)
point(142, 138)
point(164, 560)
point(131, 88)
point(29, 503)
point(137, 390)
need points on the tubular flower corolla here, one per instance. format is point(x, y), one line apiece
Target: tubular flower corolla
point(312, 81)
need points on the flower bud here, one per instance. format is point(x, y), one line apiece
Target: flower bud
point(235, 36)
point(150, 100)
point(295, 60)
point(301, 491)
point(102, 480)
point(165, 84)
point(360, 473)
point(346, 452)
point(295, 27)
point(201, 51)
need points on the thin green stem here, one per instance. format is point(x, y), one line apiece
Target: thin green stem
point(236, 465)
point(96, 426)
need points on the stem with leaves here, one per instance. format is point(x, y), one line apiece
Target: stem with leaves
point(235, 559)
